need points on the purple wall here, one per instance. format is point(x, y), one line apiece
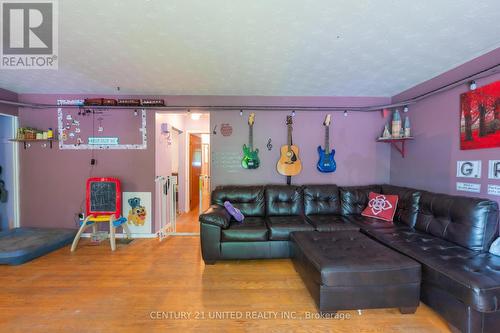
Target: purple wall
point(431, 158)
point(53, 181)
point(360, 159)
point(10, 96)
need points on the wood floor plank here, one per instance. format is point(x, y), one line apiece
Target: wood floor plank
point(134, 288)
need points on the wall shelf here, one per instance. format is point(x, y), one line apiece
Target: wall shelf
point(28, 141)
point(394, 142)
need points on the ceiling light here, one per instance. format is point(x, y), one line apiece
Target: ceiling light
point(473, 85)
point(345, 113)
point(241, 112)
point(293, 113)
point(405, 109)
point(195, 116)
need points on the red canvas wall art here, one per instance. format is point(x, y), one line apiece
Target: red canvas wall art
point(480, 117)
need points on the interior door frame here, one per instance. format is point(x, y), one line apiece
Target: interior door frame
point(15, 161)
point(187, 192)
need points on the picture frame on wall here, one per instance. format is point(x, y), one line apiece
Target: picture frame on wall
point(480, 117)
point(137, 210)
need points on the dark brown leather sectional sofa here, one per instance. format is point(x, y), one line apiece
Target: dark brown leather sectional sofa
point(448, 235)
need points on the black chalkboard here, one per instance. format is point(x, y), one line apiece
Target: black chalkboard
point(102, 196)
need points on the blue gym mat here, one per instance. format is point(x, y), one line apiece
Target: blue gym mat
point(20, 245)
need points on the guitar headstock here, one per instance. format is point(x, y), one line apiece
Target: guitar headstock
point(327, 120)
point(251, 118)
point(289, 120)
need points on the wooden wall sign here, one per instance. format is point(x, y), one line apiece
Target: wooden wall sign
point(226, 129)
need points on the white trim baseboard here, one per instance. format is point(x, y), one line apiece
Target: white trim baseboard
point(185, 234)
point(88, 234)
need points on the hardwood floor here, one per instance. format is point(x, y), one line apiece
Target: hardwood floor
point(94, 290)
point(188, 222)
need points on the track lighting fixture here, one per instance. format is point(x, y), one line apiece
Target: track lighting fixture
point(473, 85)
point(293, 113)
point(345, 113)
point(241, 112)
point(405, 109)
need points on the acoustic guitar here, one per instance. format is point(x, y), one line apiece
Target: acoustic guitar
point(289, 163)
point(250, 156)
point(326, 161)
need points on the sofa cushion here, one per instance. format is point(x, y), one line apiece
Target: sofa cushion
point(349, 258)
point(321, 200)
point(381, 206)
point(365, 222)
point(250, 230)
point(248, 199)
point(280, 227)
point(469, 222)
point(216, 215)
point(284, 200)
point(472, 277)
point(354, 199)
point(407, 209)
point(326, 223)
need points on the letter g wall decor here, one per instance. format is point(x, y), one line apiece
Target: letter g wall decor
point(469, 169)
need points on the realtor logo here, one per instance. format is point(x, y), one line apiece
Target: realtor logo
point(29, 38)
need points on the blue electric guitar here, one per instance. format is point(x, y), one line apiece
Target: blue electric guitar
point(326, 162)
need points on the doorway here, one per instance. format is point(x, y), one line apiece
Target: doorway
point(194, 170)
point(182, 156)
point(9, 174)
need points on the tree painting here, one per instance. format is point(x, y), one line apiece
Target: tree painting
point(480, 117)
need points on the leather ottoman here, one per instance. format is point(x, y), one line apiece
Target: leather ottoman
point(346, 270)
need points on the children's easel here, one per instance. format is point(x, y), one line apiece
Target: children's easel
point(103, 202)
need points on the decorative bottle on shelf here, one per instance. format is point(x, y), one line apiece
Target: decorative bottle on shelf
point(396, 125)
point(386, 134)
point(407, 127)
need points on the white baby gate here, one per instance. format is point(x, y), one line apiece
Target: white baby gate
point(167, 187)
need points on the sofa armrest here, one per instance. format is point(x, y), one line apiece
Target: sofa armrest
point(216, 215)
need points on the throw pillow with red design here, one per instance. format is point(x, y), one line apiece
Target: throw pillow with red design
point(381, 206)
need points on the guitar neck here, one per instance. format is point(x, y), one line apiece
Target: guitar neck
point(250, 137)
point(289, 137)
point(327, 139)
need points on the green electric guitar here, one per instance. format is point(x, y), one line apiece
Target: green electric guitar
point(250, 156)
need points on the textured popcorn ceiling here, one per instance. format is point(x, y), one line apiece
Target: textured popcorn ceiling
point(260, 47)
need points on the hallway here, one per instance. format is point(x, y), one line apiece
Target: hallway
point(188, 222)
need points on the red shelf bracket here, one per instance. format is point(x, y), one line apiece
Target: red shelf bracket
point(400, 150)
point(394, 143)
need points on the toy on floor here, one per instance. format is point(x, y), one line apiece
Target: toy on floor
point(103, 202)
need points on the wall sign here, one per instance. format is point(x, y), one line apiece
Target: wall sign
point(494, 169)
point(226, 129)
point(469, 187)
point(494, 189)
point(102, 141)
point(469, 169)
